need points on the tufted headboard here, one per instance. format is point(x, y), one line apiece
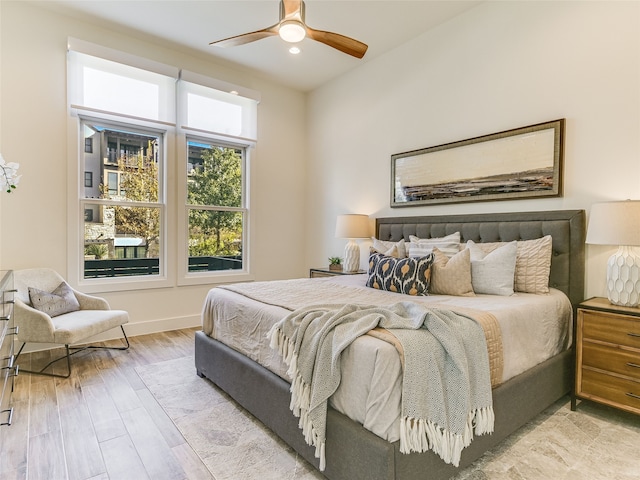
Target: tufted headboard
point(566, 227)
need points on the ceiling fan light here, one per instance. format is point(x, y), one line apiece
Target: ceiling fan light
point(291, 31)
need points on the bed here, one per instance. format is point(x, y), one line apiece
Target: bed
point(515, 401)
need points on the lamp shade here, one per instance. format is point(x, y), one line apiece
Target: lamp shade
point(352, 226)
point(618, 223)
point(615, 223)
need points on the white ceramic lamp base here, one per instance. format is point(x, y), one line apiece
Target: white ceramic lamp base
point(623, 277)
point(351, 257)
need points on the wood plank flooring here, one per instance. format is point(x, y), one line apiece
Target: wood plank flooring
point(100, 423)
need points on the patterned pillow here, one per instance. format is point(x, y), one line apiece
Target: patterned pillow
point(410, 276)
point(449, 245)
point(493, 273)
point(533, 263)
point(61, 300)
point(451, 276)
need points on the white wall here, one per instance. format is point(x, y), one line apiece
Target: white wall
point(34, 133)
point(500, 66)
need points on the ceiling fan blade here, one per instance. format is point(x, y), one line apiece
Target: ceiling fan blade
point(247, 37)
point(346, 45)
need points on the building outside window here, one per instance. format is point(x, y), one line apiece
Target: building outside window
point(127, 200)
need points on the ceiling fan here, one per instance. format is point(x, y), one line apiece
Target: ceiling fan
point(292, 28)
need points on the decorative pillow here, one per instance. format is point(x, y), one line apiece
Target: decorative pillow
point(451, 276)
point(449, 245)
point(493, 273)
point(61, 300)
point(386, 248)
point(533, 263)
point(410, 276)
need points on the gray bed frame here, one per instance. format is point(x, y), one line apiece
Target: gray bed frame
point(355, 453)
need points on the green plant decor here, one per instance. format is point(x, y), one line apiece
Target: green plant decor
point(335, 263)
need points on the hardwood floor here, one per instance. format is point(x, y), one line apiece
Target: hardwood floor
point(100, 423)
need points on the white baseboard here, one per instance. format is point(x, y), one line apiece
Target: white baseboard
point(131, 329)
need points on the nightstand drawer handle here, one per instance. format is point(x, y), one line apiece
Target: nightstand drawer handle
point(634, 365)
point(634, 334)
point(632, 395)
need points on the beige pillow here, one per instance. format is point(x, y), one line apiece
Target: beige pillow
point(451, 276)
point(533, 263)
point(392, 249)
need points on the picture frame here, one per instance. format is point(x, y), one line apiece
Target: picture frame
point(524, 162)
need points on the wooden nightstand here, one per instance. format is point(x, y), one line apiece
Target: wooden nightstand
point(325, 272)
point(608, 354)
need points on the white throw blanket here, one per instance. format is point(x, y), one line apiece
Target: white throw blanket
point(446, 391)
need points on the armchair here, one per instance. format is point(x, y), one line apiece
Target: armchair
point(90, 316)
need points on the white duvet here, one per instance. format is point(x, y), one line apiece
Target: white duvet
point(534, 328)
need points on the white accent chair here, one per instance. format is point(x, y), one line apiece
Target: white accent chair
point(34, 326)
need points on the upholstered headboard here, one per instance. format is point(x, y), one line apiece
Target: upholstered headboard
point(566, 227)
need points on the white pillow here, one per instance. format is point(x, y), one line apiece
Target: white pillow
point(493, 273)
point(387, 248)
point(420, 247)
point(533, 263)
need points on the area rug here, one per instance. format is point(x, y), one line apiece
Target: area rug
point(593, 442)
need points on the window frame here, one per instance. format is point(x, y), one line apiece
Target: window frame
point(174, 211)
point(76, 271)
point(185, 277)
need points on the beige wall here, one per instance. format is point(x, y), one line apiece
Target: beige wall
point(34, 133)
point(499, 66)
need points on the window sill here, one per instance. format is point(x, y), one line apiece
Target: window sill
point(204, 278)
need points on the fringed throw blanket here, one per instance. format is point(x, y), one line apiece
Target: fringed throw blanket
point(446, 393)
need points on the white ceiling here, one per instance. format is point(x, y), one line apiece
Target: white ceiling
point(192, 24)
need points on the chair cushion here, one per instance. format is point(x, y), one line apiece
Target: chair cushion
point(74, 327)
point(61, 300)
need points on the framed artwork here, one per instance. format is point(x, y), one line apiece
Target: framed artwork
point(520, 163)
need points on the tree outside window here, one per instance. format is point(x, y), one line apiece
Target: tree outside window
point(215, 198)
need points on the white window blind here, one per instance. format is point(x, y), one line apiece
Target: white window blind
point(108, 81)
point(112, 82)
point(209, 105)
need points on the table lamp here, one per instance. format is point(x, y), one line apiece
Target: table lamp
point(618, 223)
point(352, 226)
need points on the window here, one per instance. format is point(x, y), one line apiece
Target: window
point(131, 113)
point(216, 206)
point(128, 200)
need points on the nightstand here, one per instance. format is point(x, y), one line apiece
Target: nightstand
point(608, 354)
point(326, 272)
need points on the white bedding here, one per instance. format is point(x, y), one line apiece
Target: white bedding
point(534, 328)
